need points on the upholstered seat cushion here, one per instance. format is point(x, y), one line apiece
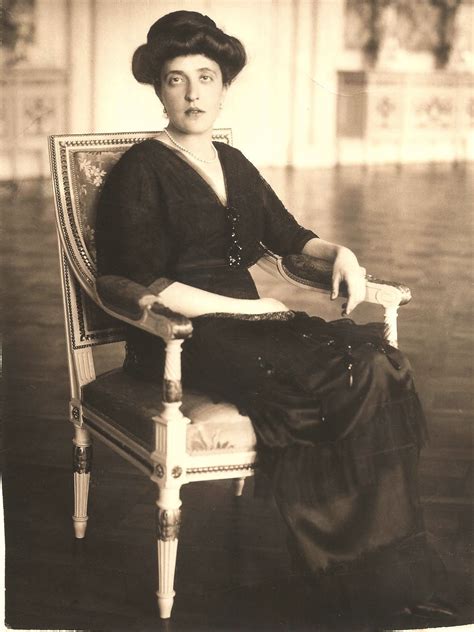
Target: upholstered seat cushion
point(130, 404)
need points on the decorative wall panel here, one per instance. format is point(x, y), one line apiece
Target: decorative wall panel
point(413, 23)
point(403, 117)
point(33, 106)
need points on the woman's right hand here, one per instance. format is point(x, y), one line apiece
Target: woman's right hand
point(269, 306)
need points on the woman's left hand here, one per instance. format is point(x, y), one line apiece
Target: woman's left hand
point(346, 268)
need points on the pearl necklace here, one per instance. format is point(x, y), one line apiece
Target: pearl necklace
point(176, 144)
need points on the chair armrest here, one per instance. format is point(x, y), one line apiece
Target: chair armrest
point(136, 305)
point(312, 273)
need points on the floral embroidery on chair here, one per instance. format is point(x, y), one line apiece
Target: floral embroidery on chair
point(216, 425)
point(88, 234)
point(94, 174)
point(205, 442)
point(91, 170)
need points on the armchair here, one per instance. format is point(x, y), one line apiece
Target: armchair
point(174, 438)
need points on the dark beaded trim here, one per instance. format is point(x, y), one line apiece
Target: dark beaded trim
point(234, 253)
point(220, 468)
point(282, 316)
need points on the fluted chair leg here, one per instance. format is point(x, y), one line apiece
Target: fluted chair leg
point(238, 486)
point(82, 461)
point(168, 520)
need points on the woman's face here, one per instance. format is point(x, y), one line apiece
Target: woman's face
point(192, 92)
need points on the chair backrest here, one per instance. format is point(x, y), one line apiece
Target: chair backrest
point(80, 164)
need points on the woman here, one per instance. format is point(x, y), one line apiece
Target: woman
point(338, 421)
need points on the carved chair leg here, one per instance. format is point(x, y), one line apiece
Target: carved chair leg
point(168, 522)
point(82, 461)
point(238, 486)
point(390, 320)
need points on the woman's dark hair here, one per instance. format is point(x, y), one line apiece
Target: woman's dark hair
point(187, 33)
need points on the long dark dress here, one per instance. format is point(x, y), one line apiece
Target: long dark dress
point(338, 421)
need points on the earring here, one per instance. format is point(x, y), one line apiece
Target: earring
point(165, 113)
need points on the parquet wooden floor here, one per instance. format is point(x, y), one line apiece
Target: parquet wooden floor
point(413, 225)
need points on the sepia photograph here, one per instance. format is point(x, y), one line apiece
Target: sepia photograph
point(237, 315)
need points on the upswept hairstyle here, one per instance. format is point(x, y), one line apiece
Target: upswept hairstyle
point(187, 33)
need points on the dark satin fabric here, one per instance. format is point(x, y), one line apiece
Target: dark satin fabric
point(338, 421)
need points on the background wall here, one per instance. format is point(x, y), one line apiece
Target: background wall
point(286, 106)
point(282, 104)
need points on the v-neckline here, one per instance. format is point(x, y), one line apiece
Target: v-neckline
point(198, 175)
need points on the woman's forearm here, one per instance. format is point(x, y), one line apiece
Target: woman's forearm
point(334, 253)
point(346, 269)
point(321, 249)
point(192, 302)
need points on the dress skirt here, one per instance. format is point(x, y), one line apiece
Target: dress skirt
point(339, 428)
point(338, 422)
